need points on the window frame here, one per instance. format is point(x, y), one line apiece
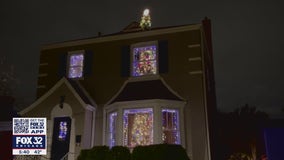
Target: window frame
point(177, 110)
point(140, 45)
point(71, 53)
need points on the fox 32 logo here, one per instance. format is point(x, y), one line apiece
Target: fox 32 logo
point(29, 142)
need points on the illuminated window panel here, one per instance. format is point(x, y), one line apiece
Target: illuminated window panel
point(144, 68)
point(75, 72)
point(62, 131)
point(170, 126)
point(112, 128)
point(144, 61)
point(76, 62)
point(138, 127)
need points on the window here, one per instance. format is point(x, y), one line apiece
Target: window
point(76, 64)
point(138, 127)
point(144, 60)
point(144, 123)
point(62, 131)
point(111, 128)
point(170, 126)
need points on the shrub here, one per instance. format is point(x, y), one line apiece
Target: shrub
point(119, 153)
point(83, 154)
point(141, 153)
point(159, 152)
point(175, 152)
point(151, 152)
point(98, 153)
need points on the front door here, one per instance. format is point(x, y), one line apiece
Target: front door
point(61, 137)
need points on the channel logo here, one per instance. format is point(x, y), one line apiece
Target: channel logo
point(29, 136)
point(29, 142)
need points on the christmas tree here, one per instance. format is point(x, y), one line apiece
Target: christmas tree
point(145, 22)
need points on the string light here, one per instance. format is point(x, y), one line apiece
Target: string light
point(145, 22)
point(138, 127)
point(112, 127)
point(170, 126)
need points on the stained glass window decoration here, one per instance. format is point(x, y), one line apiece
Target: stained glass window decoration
point(144, 61)
point(112, 129)
point(138, 127)
point(170, 126)
point(62, 131)
point(76, 62)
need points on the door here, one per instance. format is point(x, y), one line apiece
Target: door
point(61, 137)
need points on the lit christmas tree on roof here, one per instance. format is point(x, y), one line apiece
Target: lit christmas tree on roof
point(145, 22)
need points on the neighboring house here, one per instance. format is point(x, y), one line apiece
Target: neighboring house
point(273, 134)
point(134, 87)
point(7, 112)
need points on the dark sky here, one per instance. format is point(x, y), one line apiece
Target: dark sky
point(247, 40)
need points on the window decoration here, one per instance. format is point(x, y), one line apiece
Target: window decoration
point(145, 60)
point(62, 131)
point(132, 123)
point(76, 62)
point(138, 127)
point(112, 128)
point(170, 126)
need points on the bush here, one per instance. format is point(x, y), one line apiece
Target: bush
point(98, 153)
point(141, 153)
point(83, 154)
point(175, 152)
point(159, 152)
point(119, 153)
point(151, 152)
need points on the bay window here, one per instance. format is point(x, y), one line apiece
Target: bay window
point(144, 122)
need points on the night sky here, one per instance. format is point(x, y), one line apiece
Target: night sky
point(247, 40)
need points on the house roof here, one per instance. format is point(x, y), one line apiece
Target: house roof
point(131, 29)
point(133, 26)
point(74, 86)
point(146, 89)
point(81, 91)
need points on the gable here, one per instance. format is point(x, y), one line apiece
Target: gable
point(62, 88)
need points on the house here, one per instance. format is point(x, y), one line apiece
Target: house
point(6, 108)
point(134, 87)
point(273, 138)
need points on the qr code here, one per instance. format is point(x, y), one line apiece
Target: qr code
point(21, 125)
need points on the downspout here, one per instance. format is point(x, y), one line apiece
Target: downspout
point(208, 150)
